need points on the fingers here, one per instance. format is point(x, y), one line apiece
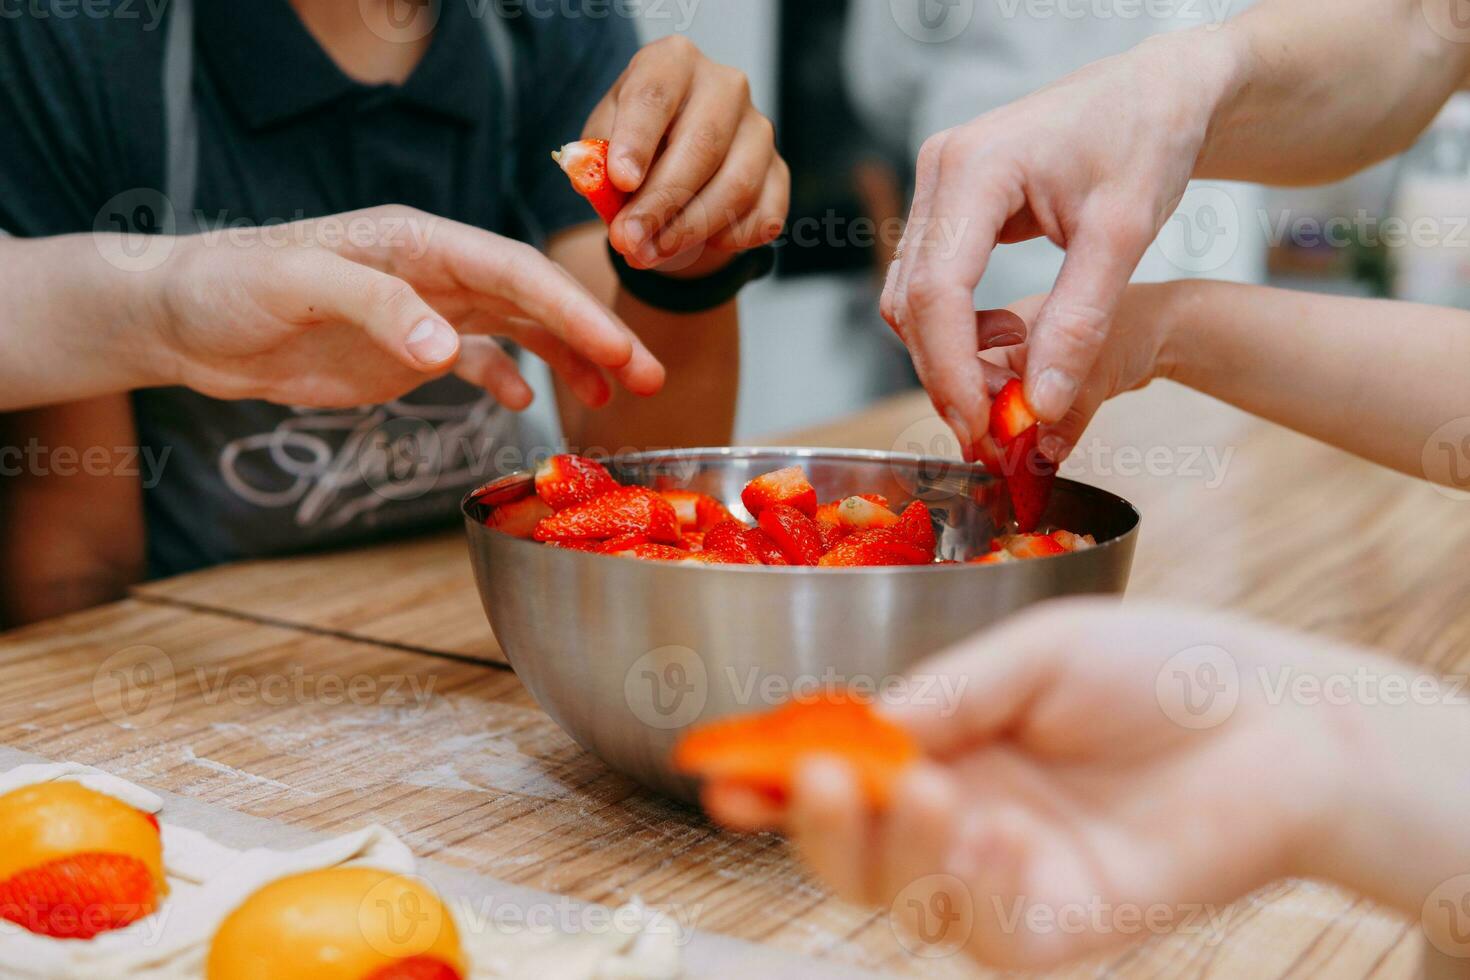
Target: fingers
point(996, 678)
point(500, 269)
point(315, 286)
point(1074, 321)
point(828, 822)
point(764, 222)
point(741, 809)
point(580, 375)
point(698, 143)
point(648, 97)
point(730, 195)
point(485, 363)
point(915, 835)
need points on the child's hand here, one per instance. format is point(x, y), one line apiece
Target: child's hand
point(1135, 352)
point(1101, 758)
point(360, 308)
point(698, 157)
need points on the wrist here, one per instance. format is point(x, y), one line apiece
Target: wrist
point(1170, 309)
point(1198, 74)
point(695, 264)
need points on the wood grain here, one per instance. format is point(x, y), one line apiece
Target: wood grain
point(1237, 514)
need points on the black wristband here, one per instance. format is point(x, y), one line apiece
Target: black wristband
point(694, 295)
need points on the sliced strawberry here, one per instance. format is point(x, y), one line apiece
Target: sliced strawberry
point(627, 542)
point(566, 481)
point(1009, 414)
point(1029, 475)
point(692, 541)
point(77, 897)
point(750, 544)
point(1074, 542)
point(626, 510)
point(1033, 546)
point(797, 535)
point(864, 514)
point(916, 526)
point(994, 558)
point(787, 486)
point(416, 968)
point(585, 162)
point(594, 547)
point(519, 519)
point(697, 511)
point(654, 552)
point(878, 546)
point(832, 534)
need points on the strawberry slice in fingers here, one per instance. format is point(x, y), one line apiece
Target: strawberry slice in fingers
point(585, 163)
point(1029, 475)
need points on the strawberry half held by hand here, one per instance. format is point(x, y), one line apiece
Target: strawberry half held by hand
point(1028, 474)
point(626, 510)
point(585, 162)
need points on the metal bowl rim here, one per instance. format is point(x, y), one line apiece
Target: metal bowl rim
point(803, 452)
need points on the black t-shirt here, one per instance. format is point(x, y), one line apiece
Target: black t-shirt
point(285, 135)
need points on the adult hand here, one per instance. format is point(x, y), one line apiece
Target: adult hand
point(363, 307)
point(1096, 163)
point(698, 157)
point(1130, 759)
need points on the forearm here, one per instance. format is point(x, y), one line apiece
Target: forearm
point(1374, 377)
point(700, 352)
point(1320, 92)
point(75, 325)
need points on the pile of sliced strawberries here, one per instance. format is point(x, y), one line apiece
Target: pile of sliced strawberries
point(1018, 547)
point(579, 505)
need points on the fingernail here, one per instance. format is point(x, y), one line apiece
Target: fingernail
point(636, 231)
point(647, 254)
point(432, 342)
point(1052, 394)
point(631, 168)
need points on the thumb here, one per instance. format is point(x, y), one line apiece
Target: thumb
point(1073, 324)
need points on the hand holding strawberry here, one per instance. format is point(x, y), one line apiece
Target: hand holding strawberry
point(696, 159)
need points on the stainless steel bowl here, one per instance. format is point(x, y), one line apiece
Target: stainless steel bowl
point(626, 654)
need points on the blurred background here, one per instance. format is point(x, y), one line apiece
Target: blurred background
point(855, 87)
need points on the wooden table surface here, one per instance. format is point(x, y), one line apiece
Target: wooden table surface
point(330, 691)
